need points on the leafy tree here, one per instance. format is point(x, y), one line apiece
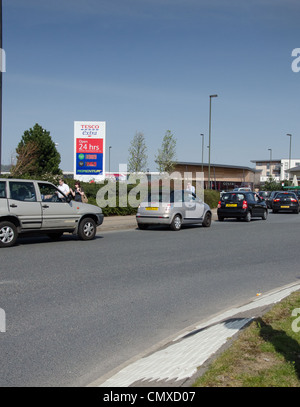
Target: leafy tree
point(167, 153)
point(37, 154)
point(137, 161)
point(272, 185)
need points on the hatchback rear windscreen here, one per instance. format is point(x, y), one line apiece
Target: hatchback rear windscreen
point(286, 195)
point(233, 197)
point(160, 197)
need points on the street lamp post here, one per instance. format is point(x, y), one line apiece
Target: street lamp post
point(290, 153)
point(270, 161)
point(1, 85)
point(202, 135)
point(209, 144)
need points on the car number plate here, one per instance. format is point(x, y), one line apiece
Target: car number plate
point(230, 205)
point(151, 208)
point(284, 206)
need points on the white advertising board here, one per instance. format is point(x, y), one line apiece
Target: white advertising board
point(89, 150)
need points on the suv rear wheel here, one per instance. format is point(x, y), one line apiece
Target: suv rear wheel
point(87, 229)
point(8, 234)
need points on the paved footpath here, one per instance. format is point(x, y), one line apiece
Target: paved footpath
point(177, 361)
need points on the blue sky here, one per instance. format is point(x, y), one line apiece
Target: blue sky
point(149, 66)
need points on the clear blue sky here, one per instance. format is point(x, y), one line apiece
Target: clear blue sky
point(149, 66)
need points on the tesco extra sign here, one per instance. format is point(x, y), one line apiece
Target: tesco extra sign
point(90, 126)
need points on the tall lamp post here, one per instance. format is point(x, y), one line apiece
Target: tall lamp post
point(1, 84)
point(202, 135)
point(209, 144)
point(290, 153)
point(270, 161)
point(109, 159)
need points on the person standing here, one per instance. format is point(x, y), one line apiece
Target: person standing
point(190, 187)
point(78, 193)
point(64, 188)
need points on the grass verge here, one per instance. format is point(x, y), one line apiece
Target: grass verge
point(265, 354)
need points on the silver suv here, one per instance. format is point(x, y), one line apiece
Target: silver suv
point(28, 206)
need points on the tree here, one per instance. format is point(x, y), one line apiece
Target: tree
point(27, 160)
point(272, 185)
point(167, 153)
point(137, 161)
point(37, 154)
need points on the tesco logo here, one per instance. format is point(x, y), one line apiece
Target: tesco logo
point(89, 126)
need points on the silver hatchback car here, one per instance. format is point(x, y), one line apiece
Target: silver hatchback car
point(173, 209)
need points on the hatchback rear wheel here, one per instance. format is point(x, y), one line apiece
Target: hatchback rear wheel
point(207, 220)
point(248, 217)
point(176, 223)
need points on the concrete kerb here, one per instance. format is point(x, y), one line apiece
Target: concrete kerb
point(177, 361)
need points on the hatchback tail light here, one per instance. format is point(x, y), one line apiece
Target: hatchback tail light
point(219, 204)
point(276, 200)
point(245, 204)
point(293, 200)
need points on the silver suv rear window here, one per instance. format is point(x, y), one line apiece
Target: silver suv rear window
point(2, 189)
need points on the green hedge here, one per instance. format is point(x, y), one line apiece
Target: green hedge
point(211, 197)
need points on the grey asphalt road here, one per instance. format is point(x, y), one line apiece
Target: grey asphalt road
point(75, 310)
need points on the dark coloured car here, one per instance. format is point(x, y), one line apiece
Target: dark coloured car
point(242, 205)
point(296, 192)
point(264, 194)
point(285, 201)
point(269, 199)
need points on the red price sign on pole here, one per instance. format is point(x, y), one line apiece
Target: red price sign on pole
point(89, 146)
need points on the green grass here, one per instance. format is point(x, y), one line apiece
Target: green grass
point(266, 353)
